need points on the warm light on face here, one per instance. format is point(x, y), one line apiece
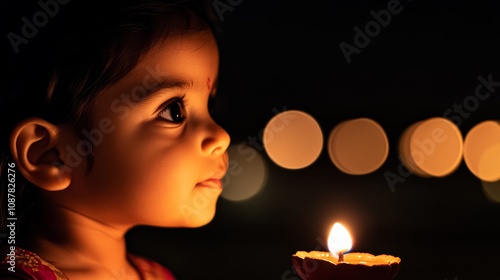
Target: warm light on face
point(339, 240)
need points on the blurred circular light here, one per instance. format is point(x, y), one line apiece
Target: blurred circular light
point(433, 147)
point(482, 151)
point(246, 175)
point(492, 191)
point(293, 139)
point(358, 146)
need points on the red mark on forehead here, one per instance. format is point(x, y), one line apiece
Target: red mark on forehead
point(209, 84)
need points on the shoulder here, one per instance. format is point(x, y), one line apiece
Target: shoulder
point(18, 263)
point(150, 269)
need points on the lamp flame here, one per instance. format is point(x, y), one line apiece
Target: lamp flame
point(339, 240)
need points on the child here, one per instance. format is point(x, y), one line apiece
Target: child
point(118, 134)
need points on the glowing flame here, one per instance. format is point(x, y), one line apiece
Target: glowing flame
point(339, 240)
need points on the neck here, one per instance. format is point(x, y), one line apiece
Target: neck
point(73, 242)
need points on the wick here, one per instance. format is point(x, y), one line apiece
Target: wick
point(341, 257)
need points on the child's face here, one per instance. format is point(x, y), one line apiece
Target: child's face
point(158, 160)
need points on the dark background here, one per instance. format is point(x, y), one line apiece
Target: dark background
point(285, 54)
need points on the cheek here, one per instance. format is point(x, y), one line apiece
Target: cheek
point(147, 175)
point(145, 166)
point(144, 170)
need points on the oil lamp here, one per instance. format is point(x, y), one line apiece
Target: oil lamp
point(339, 265)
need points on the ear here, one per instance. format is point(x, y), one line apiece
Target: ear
point(33, 144)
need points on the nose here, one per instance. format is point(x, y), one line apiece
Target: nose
point(216, 141)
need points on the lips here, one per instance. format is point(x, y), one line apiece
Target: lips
point(213, 183)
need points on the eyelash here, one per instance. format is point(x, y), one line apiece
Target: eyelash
point(179, 103)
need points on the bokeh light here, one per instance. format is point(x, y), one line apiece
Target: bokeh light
point(293, 139)
point(358, 146)
point(492, 191)
point(246, 175)
point(431, 148)
point(482, 151)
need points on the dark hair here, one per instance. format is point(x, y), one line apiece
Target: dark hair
point(59, 76)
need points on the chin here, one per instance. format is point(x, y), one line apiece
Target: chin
point(201, 220)
point(194, 219)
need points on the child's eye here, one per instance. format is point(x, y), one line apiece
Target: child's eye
point(173, 111)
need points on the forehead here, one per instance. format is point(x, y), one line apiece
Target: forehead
point(187, 60)
point(187, 43)
point(193, 54)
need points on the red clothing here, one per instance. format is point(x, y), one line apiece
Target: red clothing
point(28, 266)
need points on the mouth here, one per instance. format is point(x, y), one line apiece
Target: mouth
point(212, 183)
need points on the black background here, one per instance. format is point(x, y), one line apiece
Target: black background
point(285, 54)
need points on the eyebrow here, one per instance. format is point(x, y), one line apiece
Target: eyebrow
point(169, 84)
